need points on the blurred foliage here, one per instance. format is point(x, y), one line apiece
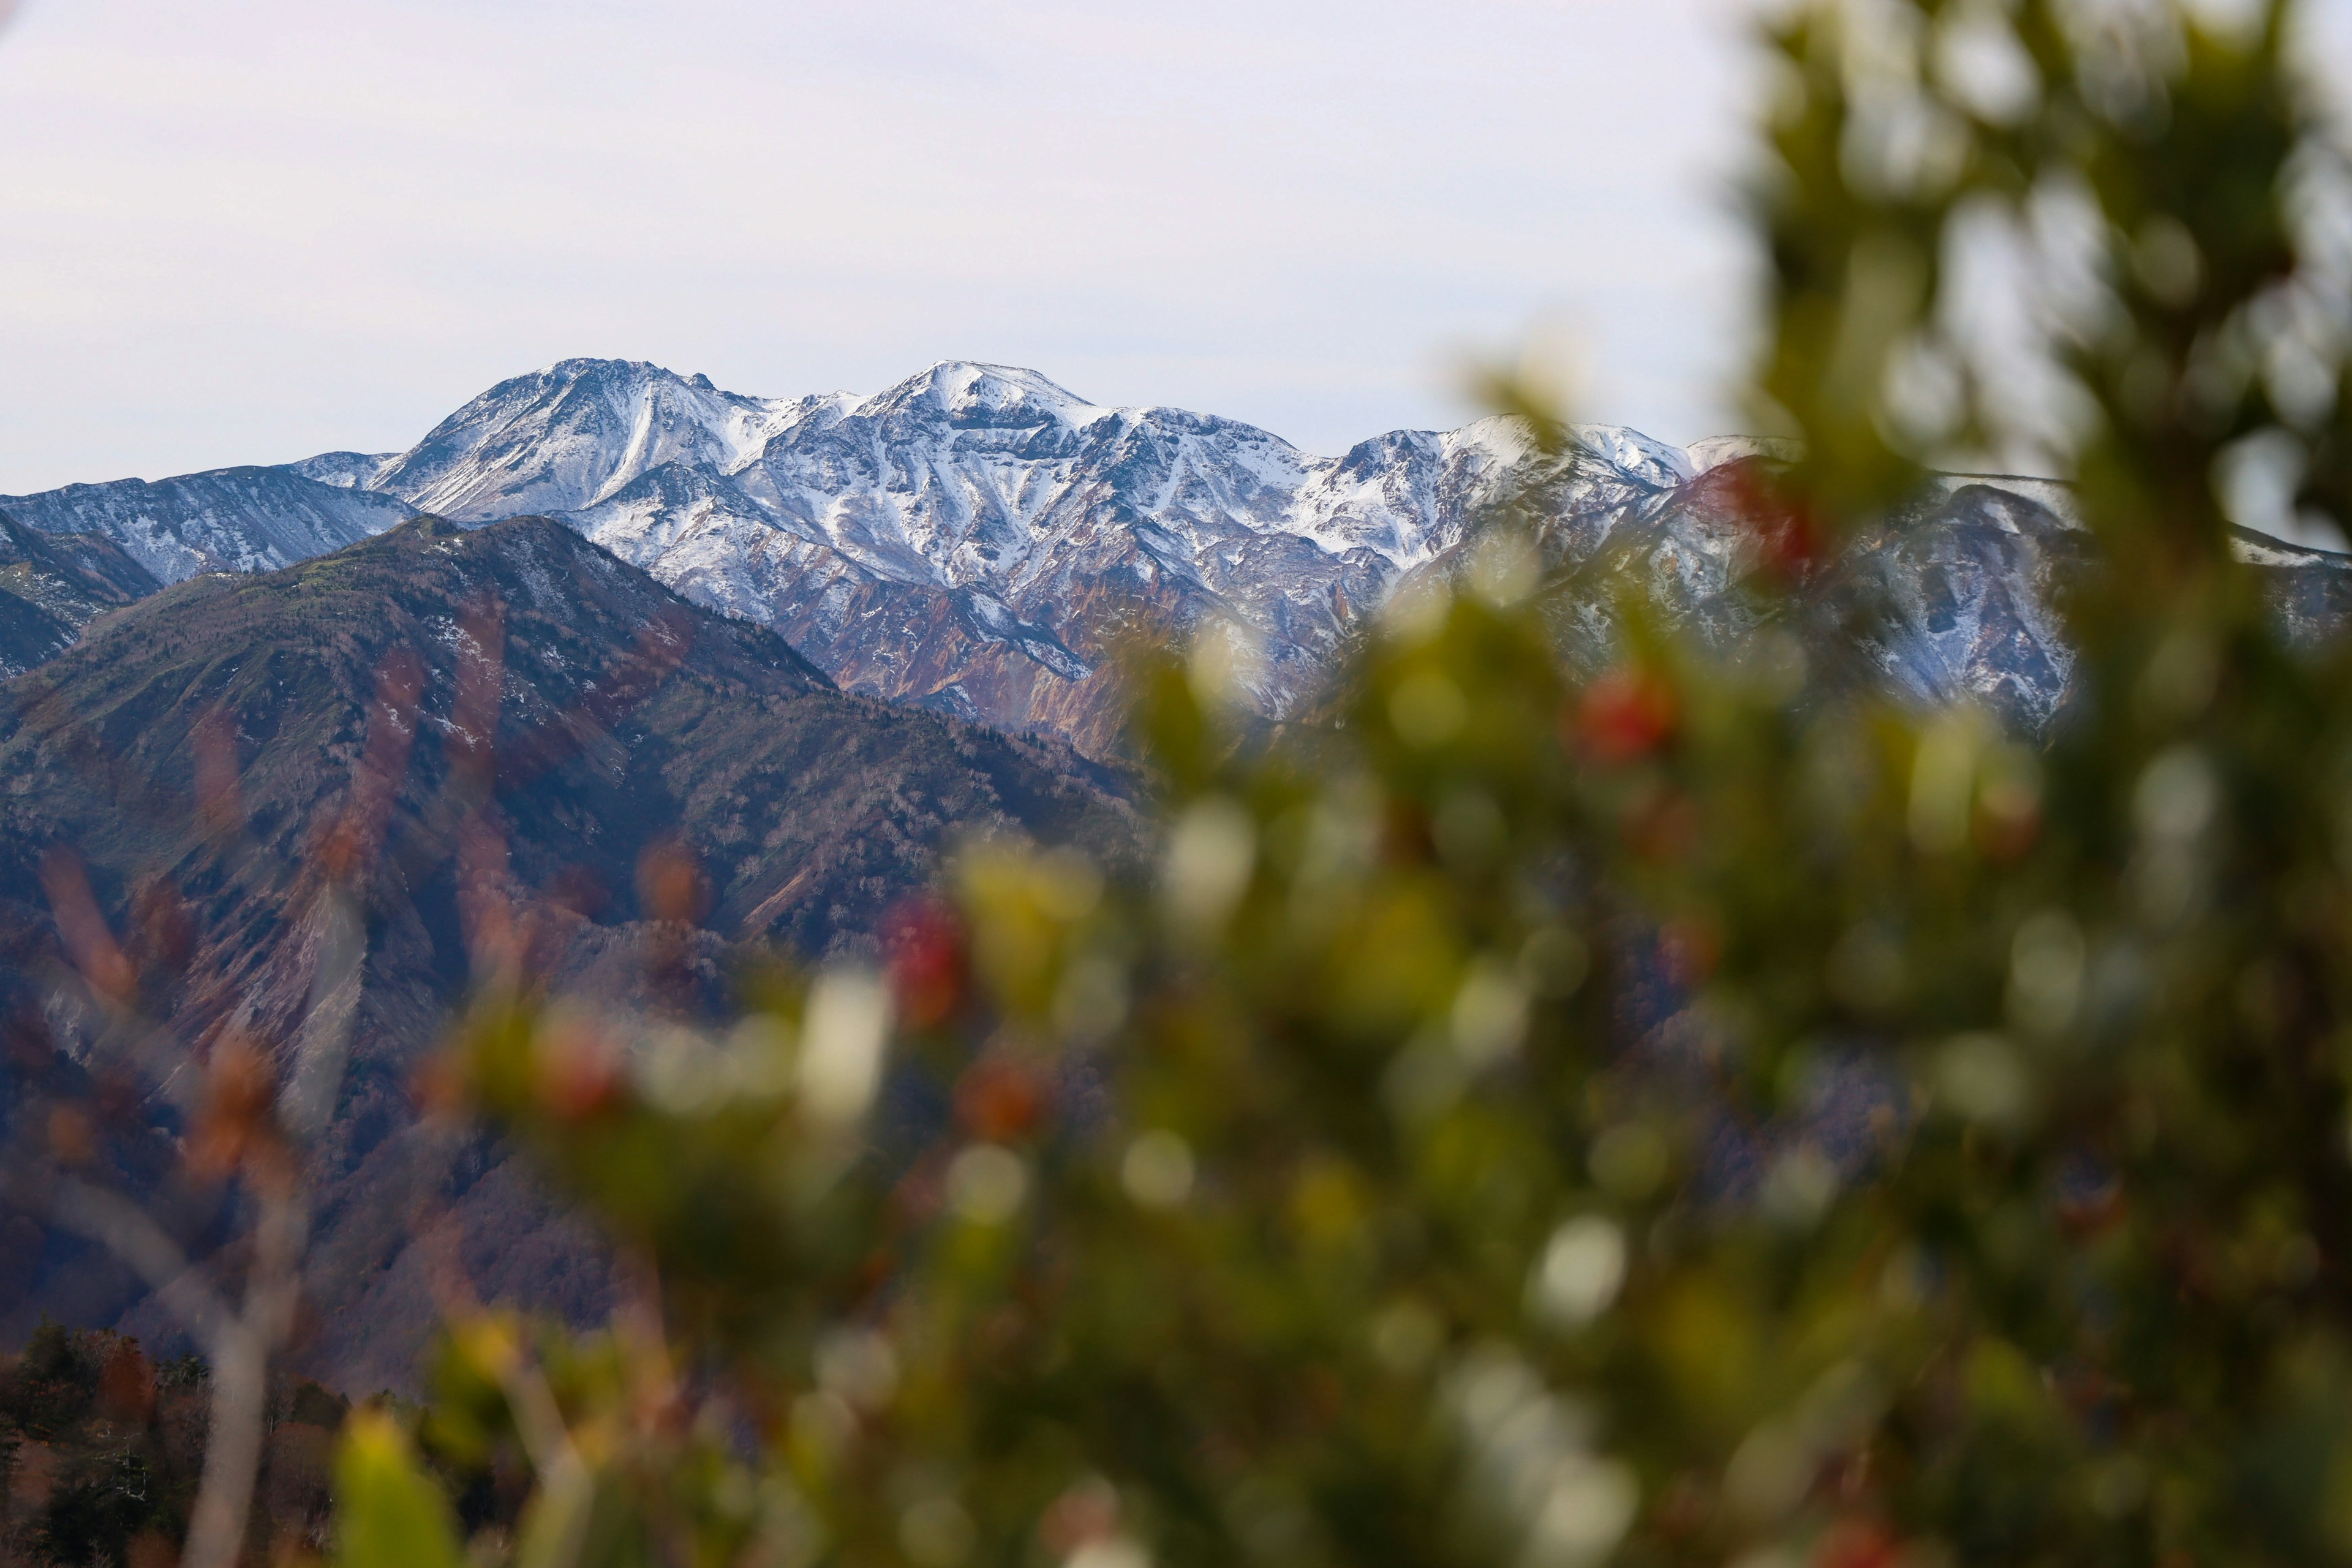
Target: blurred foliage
point(1704, 1111)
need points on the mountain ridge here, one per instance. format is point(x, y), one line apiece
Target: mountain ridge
point(965, 539)
point(975, 538)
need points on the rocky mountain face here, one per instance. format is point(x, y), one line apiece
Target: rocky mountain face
point(976, 539)
point(54, 584)
point(501, 730)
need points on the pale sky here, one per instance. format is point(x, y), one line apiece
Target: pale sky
point(249, 230)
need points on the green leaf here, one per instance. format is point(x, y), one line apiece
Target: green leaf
point(390, 1513)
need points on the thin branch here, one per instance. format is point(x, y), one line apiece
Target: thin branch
point(124, 1229)
point(241, 1385)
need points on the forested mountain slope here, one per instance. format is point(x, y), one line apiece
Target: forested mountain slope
point(486, 736)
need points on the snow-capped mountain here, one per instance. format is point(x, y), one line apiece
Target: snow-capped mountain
point(971, 538)
point(975, 538)
point(230, 520)
point(343, 470)
point(1963, 580)
point(565, 436)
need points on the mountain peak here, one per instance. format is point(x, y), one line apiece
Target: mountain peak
point(566, 435)
point(343, 470)
point(970, 393)
point(584, 367)
point(1635, 455)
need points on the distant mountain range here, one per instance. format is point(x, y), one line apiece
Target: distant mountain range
point(966, 539)
point(801, 660)
point(973, 539)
